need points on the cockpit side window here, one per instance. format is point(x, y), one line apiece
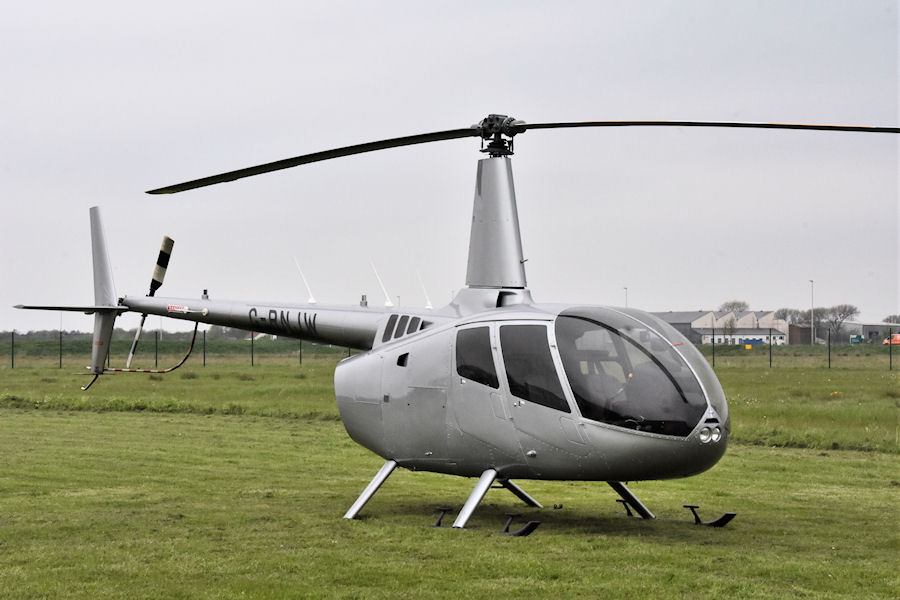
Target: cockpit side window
point(474, 359)
point(529, 367)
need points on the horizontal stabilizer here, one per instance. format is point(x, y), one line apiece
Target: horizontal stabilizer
point(88, 310)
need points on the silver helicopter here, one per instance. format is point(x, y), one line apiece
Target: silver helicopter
point(493, 385)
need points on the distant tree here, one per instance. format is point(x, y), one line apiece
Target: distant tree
point(215, 332)
point(819, 314)
point(835, 316)
point(734, 306)
point(40, 334)
point(892, 319)
point(218, 332)
point(790, 315)
point(729, 327)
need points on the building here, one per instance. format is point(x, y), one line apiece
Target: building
point(688, 322)
point(799, 334)
point(743, 327)
point(872, 333)
point(744, 335)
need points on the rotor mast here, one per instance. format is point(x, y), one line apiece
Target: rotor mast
point(495, 242)
point(496, 267)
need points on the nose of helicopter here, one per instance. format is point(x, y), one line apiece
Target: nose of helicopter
point(651, 403)
point(621, 455)
point(706, 444)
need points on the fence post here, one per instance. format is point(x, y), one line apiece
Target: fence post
point(714, 343)
point(12, 350)
point(300, 353)
point(204, 347)
point(252, 335)
point(770, 347)
point(156, 350)
point(890, 349)
point(829, 348)
point(60, 348)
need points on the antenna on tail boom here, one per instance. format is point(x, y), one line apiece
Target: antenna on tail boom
point(387, 298)
point(311, 300)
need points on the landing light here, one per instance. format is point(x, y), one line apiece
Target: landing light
point(710, 435)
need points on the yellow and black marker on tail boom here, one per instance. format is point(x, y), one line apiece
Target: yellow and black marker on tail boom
point(159, 274)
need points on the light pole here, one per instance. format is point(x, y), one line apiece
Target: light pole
point(812, 313)
point(626, 296)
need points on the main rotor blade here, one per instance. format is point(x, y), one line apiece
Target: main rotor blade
point(287, 163)
point(494, 126)
point(527, 126)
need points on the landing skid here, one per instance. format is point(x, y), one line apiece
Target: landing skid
point(720, 522)
point(525, 530)
point(630, 501)
point(489, 478)
point(519, 493)
point(485, 482)
point(370, 490)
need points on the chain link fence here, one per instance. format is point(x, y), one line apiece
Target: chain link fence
point(73, 349)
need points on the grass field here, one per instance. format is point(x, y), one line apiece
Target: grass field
point(229, 481)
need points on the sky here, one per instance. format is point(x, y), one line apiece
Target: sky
point(104, 100)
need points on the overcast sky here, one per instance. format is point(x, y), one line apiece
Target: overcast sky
point(104, 100)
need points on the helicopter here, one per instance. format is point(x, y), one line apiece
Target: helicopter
point(494, 385)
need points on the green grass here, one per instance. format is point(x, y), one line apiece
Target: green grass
point(229, 481)
point(152, 505)
point(801, 407)
point(865, 356)
point(815, 408)
point(227, 387)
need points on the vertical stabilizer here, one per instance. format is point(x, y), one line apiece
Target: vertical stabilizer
point(104, 295)
point(495, 244)
point(104, 290)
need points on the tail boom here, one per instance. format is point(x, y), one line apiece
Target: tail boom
point(351, 326)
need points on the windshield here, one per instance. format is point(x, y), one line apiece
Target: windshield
point(624, 374)
point(704, 372)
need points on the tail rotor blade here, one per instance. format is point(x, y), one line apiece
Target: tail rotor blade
point(162, 263)
point(159, 275)
point(134, 344)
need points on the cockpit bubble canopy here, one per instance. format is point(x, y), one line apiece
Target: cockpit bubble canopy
point(632, 370)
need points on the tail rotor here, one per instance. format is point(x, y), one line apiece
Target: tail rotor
point(159, 274)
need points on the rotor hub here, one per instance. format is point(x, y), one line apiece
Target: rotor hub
point(499, 129)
